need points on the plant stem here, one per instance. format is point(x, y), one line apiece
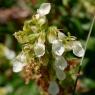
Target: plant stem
point(90, 31)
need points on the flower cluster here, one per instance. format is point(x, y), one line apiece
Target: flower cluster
point(45, 46)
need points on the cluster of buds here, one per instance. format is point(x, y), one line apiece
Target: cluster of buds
point(44, 49)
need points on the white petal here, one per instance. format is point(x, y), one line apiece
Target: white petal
point(17, 66)
point(61, 35)
point(60, 63)
point(39, 49)
point(53, 88)
point(75, 43)
point(9, 54)
point(78, 50)
point(21, 57)
point(57, 48)
point(60, 74)
point(44, 9)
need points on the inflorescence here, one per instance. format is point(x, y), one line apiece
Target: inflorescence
point(43, 56)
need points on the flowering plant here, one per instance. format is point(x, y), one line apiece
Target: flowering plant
point(44, 56)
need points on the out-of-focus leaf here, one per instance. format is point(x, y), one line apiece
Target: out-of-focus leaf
point(91, 44)
point(88, 83)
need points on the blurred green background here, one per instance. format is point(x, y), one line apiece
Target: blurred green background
point(72, 16)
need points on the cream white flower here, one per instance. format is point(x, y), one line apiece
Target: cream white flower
point(57, 48)
point(17, 66)
point(60, 63)
point(21, 57)
point(19, 62)
point(61, 35)
point(78, 49)
point(44, 9)
point(39, 49)
point(60, 74)
point(53, 88)
point(9, 53)
point(59, 66)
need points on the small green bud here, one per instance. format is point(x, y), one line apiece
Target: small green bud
point(21, 37)
point(52, 34)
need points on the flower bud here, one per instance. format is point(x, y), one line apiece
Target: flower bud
point(41, 21)
point(52, 34)
point(41, 38)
